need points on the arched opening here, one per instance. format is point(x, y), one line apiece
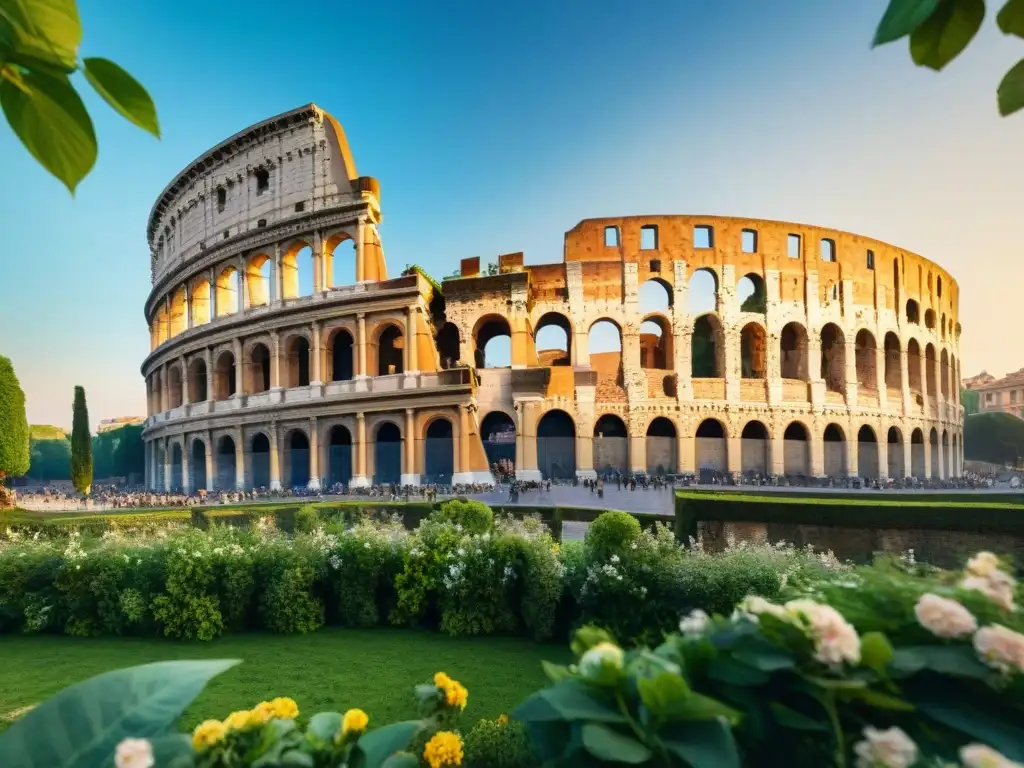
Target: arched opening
point(933, 444)
point(552, 338)
point(297, 270)
point(754, 449)
point(793, 348)
point(390, 351)
point(257, 280)
point(449, 347)
point(866, 359)
point(297, 351)
point(499, 435)
point(492, 341)
point(257, 377)
point(929, 319)
point(914, 365)
point(796, 450)
point(929, 370)
point(662, 447)
point(160, 480)
point(894, 454)
point(556, 446)
point(200, 302)
point(162, 324)
point(179, 312)
point(225, 464)
point(656, 343)
point(439, 452)
point(703, 292)
point(387, 454)
point(946, 465)
point(867, 452)
point(297, 459)
point(913, 312)
point(944, 374)
point(655, 295)
point(224, 376)
point(750, 292)
point(834, 451)
point(611, 445)
point(342, 355)
point(893, 365)
point(339, 456)
point(942, 327)
point(896, 283)
point(197, 381)
point(174, 387)
point(259, 460)
point(833, 358)
point(340, 260)
point(753, 345)
point(197, 465)
point(917, 454)
point(711, 449)
point(228, 292)
point(707, 349)
point(176, 471)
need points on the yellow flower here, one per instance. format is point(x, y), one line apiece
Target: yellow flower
point(262, 713)
point(444, 748)
point(455, 694)
point(441, 679)
point(555, 548)
point(207, 734)
point(502, 719)
point(237, 721)
point(285, 708)
point(354, 721)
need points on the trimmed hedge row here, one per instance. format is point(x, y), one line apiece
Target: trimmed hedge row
point(867, 496)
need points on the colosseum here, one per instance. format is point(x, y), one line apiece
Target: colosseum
point(669, 344)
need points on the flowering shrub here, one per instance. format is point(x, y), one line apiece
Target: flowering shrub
point(473, 516)
point(499, 743)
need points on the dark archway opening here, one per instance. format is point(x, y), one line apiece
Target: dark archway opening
point(449, 348)
point(754, 449)
point(225, 464)
point(711, 449)
point(834, 451)
point(342, 357)
point(867, 452)
point(499, 435)
point(339, 456)
point(662, 447)
point(390, 352)
point(439, 463)
point(298, 458)
point(556, 446)
point(197, 465)
point(611, 445)
point(260, 460)
point(388, 454)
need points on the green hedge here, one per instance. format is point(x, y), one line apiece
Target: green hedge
point(869, 496)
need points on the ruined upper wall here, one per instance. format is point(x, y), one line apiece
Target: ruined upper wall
point(287, 166)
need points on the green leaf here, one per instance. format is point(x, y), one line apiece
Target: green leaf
point(587, 637)
point(46, 32)
point(401, 760)
point(1011, 90)
point(84, 723)
point(764, 659)
point(555, 672)
point(708, 744)
point(790, 718)
point(881, 700)
point(172, 749)
point(729, 671)
point(944, 659)
point(566, 701)
point(832, 684)
point(324, 726)
point(1011, 18)
point(660, 694)
point(52, 123)
point(605, 744)
point(965, 715)
point(377, 746)
point(946, 33)
point(875, 651)
point(901, 18)
point(123, 92)
point(697, 706)
point(297, 758)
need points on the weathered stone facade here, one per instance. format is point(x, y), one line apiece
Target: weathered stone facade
point(842, 358)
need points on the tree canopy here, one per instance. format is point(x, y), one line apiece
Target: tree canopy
point(14, 455)
point(81, 444)
point(994, 437)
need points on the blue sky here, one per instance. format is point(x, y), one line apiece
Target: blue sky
point(496, 127)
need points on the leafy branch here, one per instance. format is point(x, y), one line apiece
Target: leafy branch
point(39, 42)
point(939, 30)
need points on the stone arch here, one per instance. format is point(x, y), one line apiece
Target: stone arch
point(796, 449)
point(834, 451)
point(917, 454)
point(711, 450)
point(492, 335)
point(867, 452)
point(753, 351)
point(894, 453)
point(224, 379)
point(296, 458)
point(295, 261)
point(297, 360)
point(340, 259)
point(227, 289)
point(179, 312)
point(654, 295)
point(656, 343)
point(197, 463)
point(341, 354)
point(161, 324)
point(257, 369)
point(703, 292)
point(259, 460)
point(833, 358)
point(258, 274)
point(893, 363)
point(611, 444)
point(866, 359)
point(662, 445)
point(942, 326)
point(944, 374)
point(225, 463)
point(793, 349)
point(175, 386)
point(498, 431)
point(914, 366)
point(387, 452)
point(389, 341)
point(913, 313)
point(929, 369)
point(929, 319)
point(556, 445)
point(200, 301)
point(197, 380)
point(754, 443)
point(439, 450)
point(339, 455)
point(933, 445)
point(449, 345)
point(553, 339)
point(177, 468)
point(707, 348)
point(751, 293)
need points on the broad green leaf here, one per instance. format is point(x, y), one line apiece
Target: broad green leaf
point(732, 672)
point(401, 760)
point(764, 659)
point(875, 651)
point(661, 694)
point(881, 700)
point(1011, 90)
point(84, 723)
point(708, 744)
point(901, 18)
point(567, 701)
point(962, 714)
point(1011, 18)
point(324, 726)
point(377, 746)
point(52, 123)
point(123, 92)
point(47, 32)
point(946, 33)
point(832, 684)
point(697, 706)
point(172, 750)
point(555, 672)
point(944, 659)
point(790, 718)
point(605, 744)
point(297, 758)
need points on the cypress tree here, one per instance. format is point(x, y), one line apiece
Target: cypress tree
point(81, 444)
point(14, 443)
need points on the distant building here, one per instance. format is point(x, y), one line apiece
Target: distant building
point(122, 421)
point(1005, 394)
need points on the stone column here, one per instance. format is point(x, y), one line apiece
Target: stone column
point(880, 384)
point(208, 359)
point(145, 464)
point(275, 360)
point(409, 474)
point(211, 479)
point(359, 478)
point(360, 252)
point(776, 460)
point(188, 307)
point(637, 452)
point(361, 345)
point(318, 263)
point(185, 394)
point(687, 454)
point(213, 293)
point(818, 454)
point(883, 455)
point(167, 464)
point(927, 452)
point(314, 454)
point(186, 483)
point(275, 458)
point(243, 285)
point(411, 362)
point(908, 456)
point(165, 395)
point(277, 279)
point(315, 353)
point(236, 348)
point(526, 433)
point(734, 455)
point(852, 466)
point(239, 460)
point(905, 385)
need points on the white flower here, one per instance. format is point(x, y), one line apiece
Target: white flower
point(134, 753)
point(982, 564)
point(695, 623)
point(980, 756)
point(1000, 648)
point(614, 558)
point(944, 617)
point(753, 606)
point(600, 660)
point(835, 638)
point(997, 587)
point(891, 748)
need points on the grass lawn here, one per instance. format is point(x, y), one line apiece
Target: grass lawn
point(328, 670)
